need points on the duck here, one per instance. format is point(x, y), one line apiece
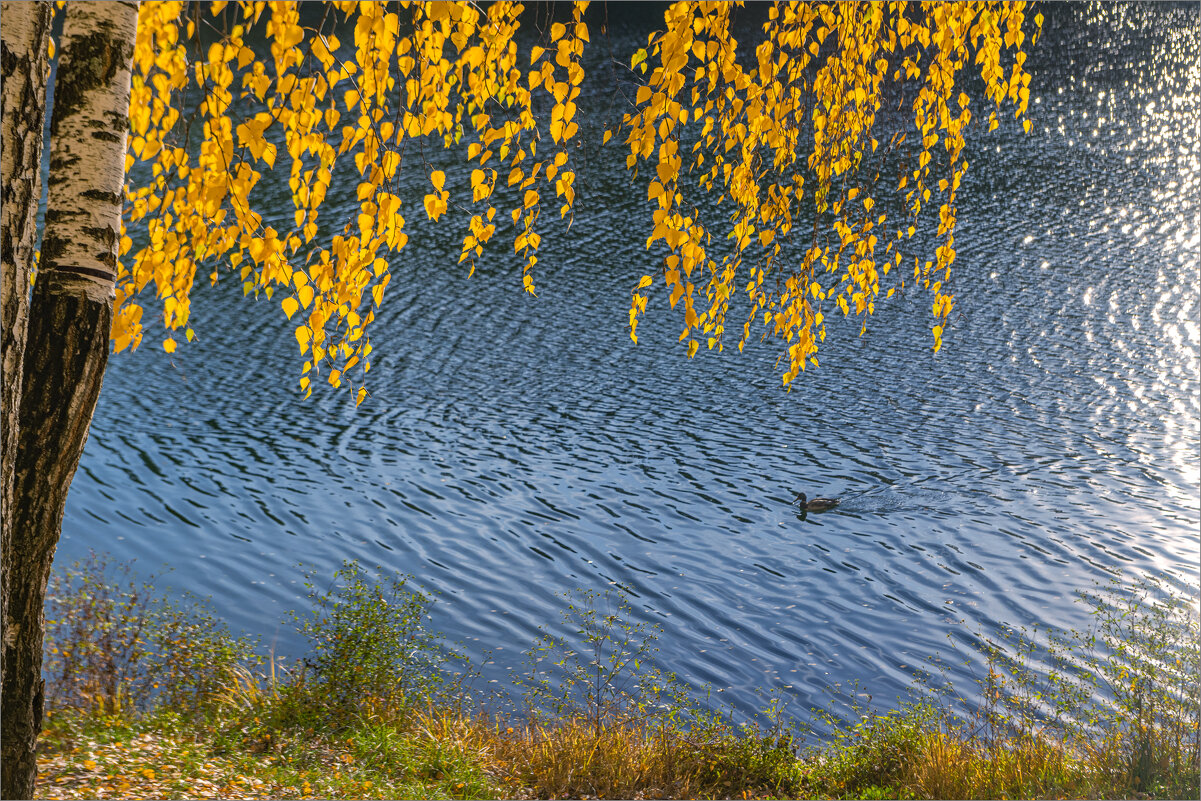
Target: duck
point(817, 504)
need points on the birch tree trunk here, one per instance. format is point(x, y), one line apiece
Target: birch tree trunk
point(24, 69)
point(66, 350)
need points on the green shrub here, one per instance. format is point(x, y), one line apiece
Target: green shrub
point(114, 645)
point(1143, 656)
point(369, 650)
point(878, 751)
point(609, 678)
point(1122, 697)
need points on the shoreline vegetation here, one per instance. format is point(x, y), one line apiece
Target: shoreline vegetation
point(149, 698)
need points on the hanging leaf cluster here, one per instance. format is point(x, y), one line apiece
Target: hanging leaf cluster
point(796, 140)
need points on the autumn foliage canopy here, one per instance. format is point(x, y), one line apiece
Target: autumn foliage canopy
point(766, 164)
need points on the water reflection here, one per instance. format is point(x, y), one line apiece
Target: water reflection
point(525, 448)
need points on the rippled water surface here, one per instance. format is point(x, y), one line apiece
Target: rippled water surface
point(514, 449)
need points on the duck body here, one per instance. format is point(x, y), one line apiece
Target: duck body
point(815, 504)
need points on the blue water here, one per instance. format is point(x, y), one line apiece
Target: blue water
point(515, 448)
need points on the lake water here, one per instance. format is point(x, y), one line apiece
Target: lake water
point(515, 448)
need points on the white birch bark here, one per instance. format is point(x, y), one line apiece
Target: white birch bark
point(70, 320)
point(88, 134)
point(24, 35)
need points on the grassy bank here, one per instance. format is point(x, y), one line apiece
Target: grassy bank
point(153, 700)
